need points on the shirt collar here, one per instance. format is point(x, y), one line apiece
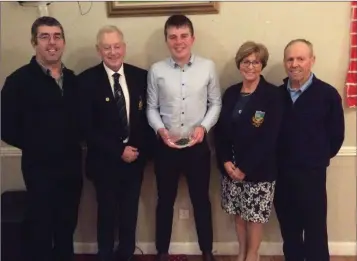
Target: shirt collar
point(48, 71)
point(303, 87)
point(110, 72)
point(175, 65)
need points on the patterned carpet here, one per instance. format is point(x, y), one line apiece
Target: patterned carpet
point(218, 258)
point(137, 258)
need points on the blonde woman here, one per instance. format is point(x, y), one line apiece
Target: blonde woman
point(245, 137)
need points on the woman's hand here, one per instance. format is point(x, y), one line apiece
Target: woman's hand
point(239, 174)
point(234, 172)
point(230, 169)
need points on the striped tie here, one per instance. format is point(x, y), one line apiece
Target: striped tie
point(120, 101)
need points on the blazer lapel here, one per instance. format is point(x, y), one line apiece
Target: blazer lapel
point(104, 84)
point(130, 82)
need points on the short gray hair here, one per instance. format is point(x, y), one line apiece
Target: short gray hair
point(108, 29)
point(300, 40)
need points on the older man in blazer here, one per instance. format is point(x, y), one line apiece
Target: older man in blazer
point(117, 135)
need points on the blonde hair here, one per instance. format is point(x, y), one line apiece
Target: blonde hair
point(249, 48)
point(108, 29)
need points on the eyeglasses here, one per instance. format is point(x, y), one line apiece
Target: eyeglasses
point(46, 37)
point(248, 63)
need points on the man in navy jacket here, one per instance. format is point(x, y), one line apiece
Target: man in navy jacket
point(312, 133)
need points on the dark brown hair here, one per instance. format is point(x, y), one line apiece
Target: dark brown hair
point(44, 20)
point(178, 21)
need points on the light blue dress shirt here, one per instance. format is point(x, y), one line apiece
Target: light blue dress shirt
point(295, 93)
point(185, 97)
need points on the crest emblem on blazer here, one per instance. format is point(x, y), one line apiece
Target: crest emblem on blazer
point(258, 118)
point(140, 104)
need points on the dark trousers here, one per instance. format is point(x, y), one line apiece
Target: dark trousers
point(194, 162)
point(118, 201)
point(301, 207)
point(53, 196)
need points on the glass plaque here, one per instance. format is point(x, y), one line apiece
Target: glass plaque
point(181, 137)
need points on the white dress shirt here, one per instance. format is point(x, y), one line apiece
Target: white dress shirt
point(124, 86)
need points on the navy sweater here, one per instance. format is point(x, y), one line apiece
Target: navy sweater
point(313, 127)
point(38, 118)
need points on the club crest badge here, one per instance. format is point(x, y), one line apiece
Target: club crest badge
point(258, 118)
point(140, 105)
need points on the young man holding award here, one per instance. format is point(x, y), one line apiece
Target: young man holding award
point(183, 104)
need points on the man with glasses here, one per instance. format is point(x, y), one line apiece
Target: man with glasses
point(38, 109)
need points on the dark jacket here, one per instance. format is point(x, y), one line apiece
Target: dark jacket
point(313, 127)
point(254, 141)
point(40, 119)
point(100, 120)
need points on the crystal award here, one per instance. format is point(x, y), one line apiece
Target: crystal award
point(181, 136)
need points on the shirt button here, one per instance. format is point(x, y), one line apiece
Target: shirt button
point(183, 113)
point(183, 99)
point(182, 124)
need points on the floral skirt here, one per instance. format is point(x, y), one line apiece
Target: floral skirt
point(251, 201)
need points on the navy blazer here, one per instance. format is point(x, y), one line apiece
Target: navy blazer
point(253, 135)
point(100, 122)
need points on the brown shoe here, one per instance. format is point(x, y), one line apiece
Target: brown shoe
point(208, 256)
point(162, 257)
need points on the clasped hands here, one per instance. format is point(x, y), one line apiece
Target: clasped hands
point(196, 137)
point(234, 172)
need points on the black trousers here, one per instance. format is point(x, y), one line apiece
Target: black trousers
point(118, 201)
point(301, 207)
point(194, 162)
point(53, 196)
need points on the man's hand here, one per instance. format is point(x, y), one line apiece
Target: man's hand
point(130, 154)
point(197, 135)
point(164, 135)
